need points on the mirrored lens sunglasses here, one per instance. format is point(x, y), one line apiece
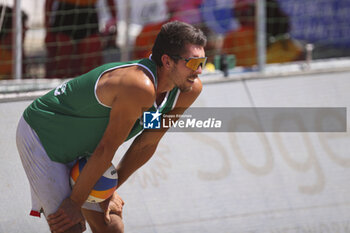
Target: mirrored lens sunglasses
point(193, 62)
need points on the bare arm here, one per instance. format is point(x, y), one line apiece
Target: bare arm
point(126, 108)
point(144, 146)
point(127, 94)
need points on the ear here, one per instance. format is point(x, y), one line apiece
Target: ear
point(166, 61)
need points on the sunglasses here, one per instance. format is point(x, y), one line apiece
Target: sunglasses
point(193, 62)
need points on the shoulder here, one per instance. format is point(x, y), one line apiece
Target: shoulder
point(132, 85)
point(136, 86)
point(136, 77)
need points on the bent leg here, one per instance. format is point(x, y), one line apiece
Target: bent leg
point(78, 228)
point(98, 225)
point(49, 181)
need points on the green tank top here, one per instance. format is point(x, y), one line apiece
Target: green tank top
point(70, 121)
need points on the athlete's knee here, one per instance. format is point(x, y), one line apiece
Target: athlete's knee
point(116, 225)
point(78, 228)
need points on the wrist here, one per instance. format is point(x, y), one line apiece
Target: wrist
point(76, 202)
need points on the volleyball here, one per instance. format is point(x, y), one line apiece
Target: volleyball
point(104, 187)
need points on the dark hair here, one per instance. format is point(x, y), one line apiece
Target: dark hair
point(172, 39)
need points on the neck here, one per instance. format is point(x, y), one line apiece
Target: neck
point(164, 83)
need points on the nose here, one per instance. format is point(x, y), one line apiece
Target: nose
point(199, 69)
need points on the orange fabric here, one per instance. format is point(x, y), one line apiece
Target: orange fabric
point(242, 43)
point(144, 41)
point(5, 64)
point(284, 51)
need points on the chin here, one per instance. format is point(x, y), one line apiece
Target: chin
point(185, 89)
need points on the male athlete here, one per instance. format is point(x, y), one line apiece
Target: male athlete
point(92, 115)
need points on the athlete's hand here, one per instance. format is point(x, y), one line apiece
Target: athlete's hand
point(113, 205)
point(67, 215)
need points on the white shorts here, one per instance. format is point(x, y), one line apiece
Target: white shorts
point(49, 180)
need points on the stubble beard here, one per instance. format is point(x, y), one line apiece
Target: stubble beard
point(183, 87)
